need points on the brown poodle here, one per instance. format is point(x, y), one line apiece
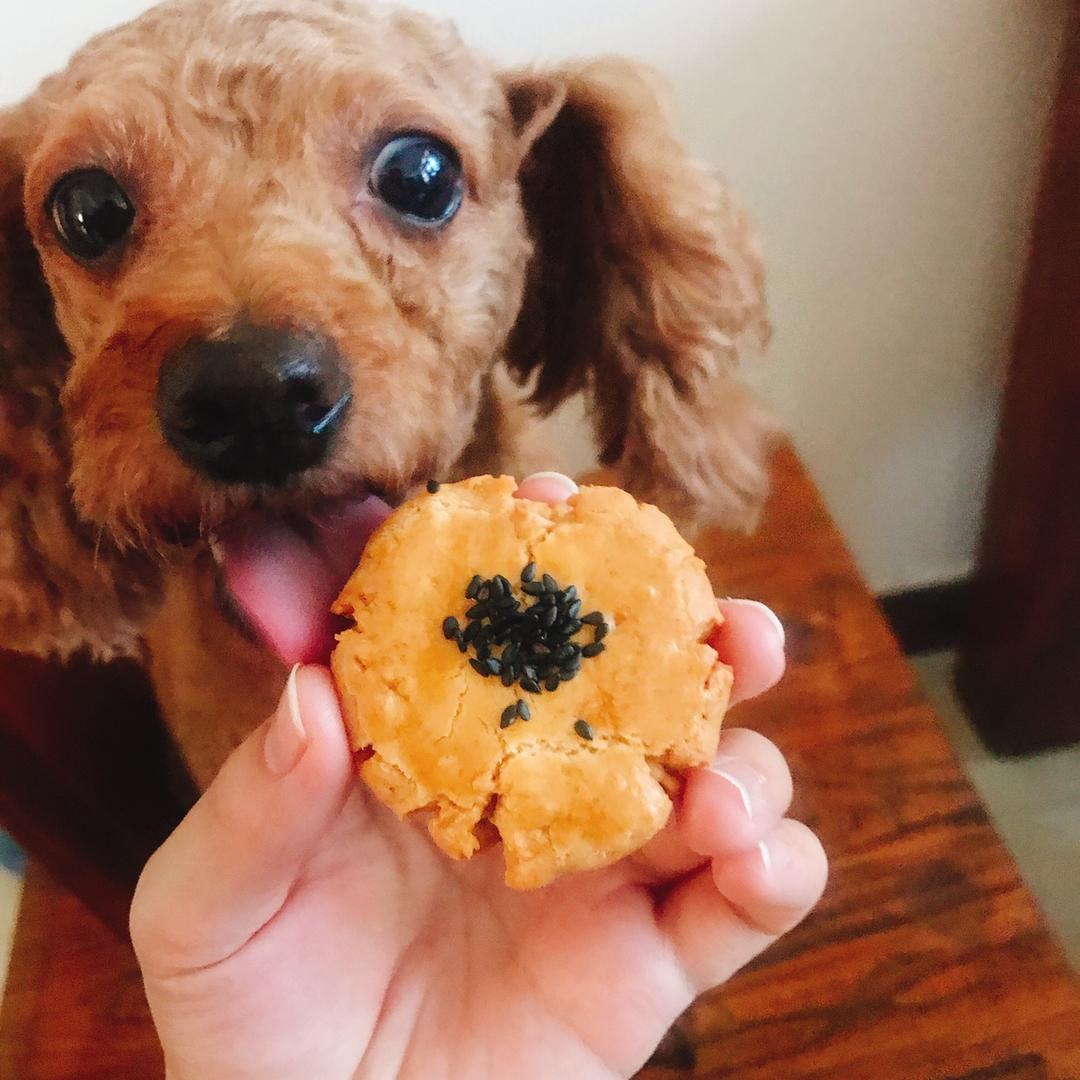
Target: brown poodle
point(262, 260)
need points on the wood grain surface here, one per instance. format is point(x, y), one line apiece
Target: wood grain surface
point(926, 960)
point(74, 1007)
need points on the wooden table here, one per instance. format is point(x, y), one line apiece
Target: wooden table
point(926, 960)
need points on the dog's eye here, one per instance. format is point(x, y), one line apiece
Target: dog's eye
point(419, 176)
point(91, 213)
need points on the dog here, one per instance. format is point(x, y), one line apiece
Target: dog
point(263, 261)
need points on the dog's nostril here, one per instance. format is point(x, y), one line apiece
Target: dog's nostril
point(304, 393)
point(207, 422)
point(313, 416)
point(322, 419)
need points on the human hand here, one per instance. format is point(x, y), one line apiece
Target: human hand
point(292, 927)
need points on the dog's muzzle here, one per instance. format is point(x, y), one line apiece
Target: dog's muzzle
point(257, 406)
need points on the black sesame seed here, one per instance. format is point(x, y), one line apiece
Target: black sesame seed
point(584, 729)
point(432, 486)
point(536, 639)
point(523, 710)
point(509, 715)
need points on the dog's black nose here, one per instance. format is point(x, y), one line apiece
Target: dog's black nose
point(255, 407)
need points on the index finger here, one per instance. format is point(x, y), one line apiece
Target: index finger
point(751, 642)
point(548, 487)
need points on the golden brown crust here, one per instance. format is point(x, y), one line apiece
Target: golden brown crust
point(654, 698)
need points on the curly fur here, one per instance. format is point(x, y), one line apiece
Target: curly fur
point(590, 255)
point(63, 585)
point(656, 278)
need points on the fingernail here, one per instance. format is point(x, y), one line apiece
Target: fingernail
point(774, 854)
point(767, 611)
point(556, 478)
point(286, 739)
point(745, 779)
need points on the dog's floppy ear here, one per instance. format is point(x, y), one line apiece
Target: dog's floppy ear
point(644, 290)
point(60, 589)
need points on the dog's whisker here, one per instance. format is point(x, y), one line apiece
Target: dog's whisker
point(97, 546)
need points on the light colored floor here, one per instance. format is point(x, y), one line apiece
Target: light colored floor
point(1035, 804)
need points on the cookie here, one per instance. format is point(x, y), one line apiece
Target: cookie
point(545, 668)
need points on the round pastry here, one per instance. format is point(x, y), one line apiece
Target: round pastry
point(543, 667)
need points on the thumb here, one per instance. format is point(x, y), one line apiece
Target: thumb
point(228, 868)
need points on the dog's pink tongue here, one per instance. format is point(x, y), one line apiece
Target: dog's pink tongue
point(284, 578)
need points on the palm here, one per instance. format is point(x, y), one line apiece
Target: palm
point(388, 958)
point(292, 927)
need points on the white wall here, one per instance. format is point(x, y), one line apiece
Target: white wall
point(889, 150)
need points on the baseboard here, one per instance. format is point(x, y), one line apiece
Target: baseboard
point(930, 618)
